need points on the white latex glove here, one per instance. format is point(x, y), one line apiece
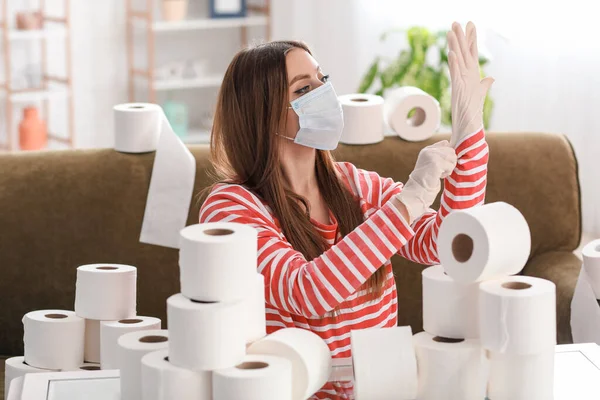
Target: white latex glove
point(468, 89)
point(435, 162)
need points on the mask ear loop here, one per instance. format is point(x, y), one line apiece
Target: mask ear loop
point(283, 136)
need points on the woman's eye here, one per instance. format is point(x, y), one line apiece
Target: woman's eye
point(325, 78)
point(302, 90)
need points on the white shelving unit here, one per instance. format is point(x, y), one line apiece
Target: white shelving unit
point(47, 33)
point(172, 84)
point(51, 86)
point(258, 16)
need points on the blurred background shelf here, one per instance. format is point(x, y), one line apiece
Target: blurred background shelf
point(47, 33)
point(27, 96)
point(209, 81)
point(208, 23)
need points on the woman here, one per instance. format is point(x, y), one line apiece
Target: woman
point(327, 230)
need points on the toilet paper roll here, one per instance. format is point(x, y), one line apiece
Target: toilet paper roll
point(450, 369)
point(521, 377)
point(137, 127)
point(254, 310)
point(132, 347)
point(473, 243)
point(91, 352)
point(106, 291)
point(363, 118)
point(15, 367)
point(450, 308)
point(161, 380)
point(110, 331)
point(258, 377)
point(591, 263)
point(308, 353)
point(205, 336)
point(15, 389)
point(53, 339)
point(143, 127)
point(585, 313)
point(426, 117)
point(384, 363)
point(217, 260)
point(517, 315)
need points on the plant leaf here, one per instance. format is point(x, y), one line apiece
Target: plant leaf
point(369, 77)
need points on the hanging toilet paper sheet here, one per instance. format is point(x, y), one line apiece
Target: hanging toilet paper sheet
point(385, 364)
point(585, 312)
point(450, 308)
point(426, 113)
point(143, 127)
point(473, 243)
point(363, 118)
point(110, 331)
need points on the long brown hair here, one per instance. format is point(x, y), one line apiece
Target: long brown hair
point(244, 149)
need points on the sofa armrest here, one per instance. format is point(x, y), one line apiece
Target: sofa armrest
point(562, 268)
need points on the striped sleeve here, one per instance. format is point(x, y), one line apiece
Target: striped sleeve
point(464, 188)
point(310, 288)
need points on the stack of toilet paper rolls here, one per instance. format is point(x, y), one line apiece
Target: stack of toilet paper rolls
point(486, 331)
point(62, 340)
point(216, 346)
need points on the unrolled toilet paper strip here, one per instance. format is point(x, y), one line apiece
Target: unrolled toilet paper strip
point(141, 127)
point(53, 339)
point(254, 310)
point(205, 336)
point(217, 260)
point(591, 263)
point(132, 347)
point(450, 308)
point(521, 377)
point(426, 117)
point(258, 377)
point(517, 315)
point(473, 243)
point(161, 380)
point(91, 352)
point(585, 312)
point(15, 367)
point(106, 291)
point(308, 353)
point(385, 364)
point(110, 331)
point(450, 369)
point(363, 118)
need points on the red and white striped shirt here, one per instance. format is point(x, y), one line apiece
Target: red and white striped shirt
point(301, 293)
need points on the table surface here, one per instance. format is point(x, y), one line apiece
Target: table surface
point(577, 373)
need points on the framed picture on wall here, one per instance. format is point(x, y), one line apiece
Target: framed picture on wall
point(227, 8)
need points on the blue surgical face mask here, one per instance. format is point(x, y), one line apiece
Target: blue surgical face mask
point(321, 118)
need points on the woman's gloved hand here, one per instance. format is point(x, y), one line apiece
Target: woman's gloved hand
point(468, 89)
point(434, 163)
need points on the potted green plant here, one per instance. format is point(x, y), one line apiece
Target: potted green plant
point(411, 67)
